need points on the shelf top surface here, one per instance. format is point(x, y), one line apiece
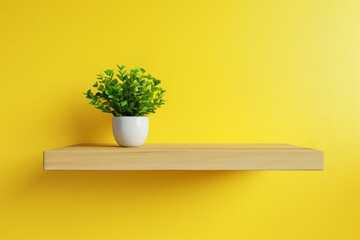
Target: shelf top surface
point(177, 146)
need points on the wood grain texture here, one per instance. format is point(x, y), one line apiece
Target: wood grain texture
point(232, 156)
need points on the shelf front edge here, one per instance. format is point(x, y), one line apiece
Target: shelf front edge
point(186, 159)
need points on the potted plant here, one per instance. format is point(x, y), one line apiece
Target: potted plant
point(130, 96)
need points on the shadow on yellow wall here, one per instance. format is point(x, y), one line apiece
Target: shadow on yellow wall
point(129, 181)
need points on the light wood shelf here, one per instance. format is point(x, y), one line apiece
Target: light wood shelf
point(171, 156)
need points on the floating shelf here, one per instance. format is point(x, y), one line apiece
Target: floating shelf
point(172, 156)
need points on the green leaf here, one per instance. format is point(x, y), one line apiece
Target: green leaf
point(156, 82)
point(123, 103)
point(108, 72)
point(96, 84)
point(122, 67)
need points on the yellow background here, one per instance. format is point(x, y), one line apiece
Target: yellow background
point(235, 70)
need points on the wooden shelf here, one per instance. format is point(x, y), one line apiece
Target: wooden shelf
point(237, 156)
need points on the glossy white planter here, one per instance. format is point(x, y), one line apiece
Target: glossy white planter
point(130, 131)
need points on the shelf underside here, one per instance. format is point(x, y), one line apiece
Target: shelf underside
point(171, 156)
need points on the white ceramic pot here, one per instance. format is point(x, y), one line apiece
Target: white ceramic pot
point(130, 131)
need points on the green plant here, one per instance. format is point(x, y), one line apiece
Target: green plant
point(127, 93)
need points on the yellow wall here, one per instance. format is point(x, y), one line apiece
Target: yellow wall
point(235, 70)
